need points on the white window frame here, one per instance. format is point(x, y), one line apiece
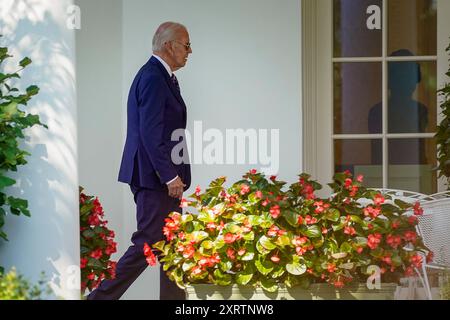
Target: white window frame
point(317, 56)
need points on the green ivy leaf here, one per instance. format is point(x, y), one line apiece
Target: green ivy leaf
point(198, 236)
point(159, 245)
point(207, 244)
point(296, 268)
point(264, 267)
point(269, 285)
point(32, 90)
point(333, 215)
point(188, 265)
point(6, 182)
point(278, 272)
point(291, 217)
point(283, 241)
point(243, 278)
point(313, 231)
point(25, 62)
point(267, 243)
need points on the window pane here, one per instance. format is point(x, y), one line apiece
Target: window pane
point(357, 90)
point(410, 165)
point(412, 97)
point(352, 36)
point(360, 157)
point(413, 26)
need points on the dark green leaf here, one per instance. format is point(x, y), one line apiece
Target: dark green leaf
point(6, 182)
point(25, 62)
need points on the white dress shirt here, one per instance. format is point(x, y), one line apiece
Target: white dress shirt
point(169, 71)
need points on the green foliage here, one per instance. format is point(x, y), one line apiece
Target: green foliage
point(259, 233)
point(13, 122)
point(443, 132)
point(445, 288)
point(14, 286)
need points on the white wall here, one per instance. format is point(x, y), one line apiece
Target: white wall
point(99, 95)
point(49, 240)
point(244, 73)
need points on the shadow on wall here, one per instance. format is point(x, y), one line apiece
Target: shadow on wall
point(48, 241)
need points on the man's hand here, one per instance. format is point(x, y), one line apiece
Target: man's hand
point(176, 188)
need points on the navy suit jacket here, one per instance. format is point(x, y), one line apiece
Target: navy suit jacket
point(155, 110)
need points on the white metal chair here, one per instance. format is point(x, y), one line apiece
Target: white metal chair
point(434, 228)
point(405, 195)
point(440, 195)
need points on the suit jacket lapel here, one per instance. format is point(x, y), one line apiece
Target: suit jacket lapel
point(172, 87)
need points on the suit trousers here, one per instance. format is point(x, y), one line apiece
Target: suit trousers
point(152, 207)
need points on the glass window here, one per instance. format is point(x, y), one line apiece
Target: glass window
point(357, 90)
point(360, 157)
point(356, 32)
point(413, 26)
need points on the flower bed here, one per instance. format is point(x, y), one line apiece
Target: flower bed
point(259, 233)
point(97, 244)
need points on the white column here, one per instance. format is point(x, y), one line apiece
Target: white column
point(49, 240)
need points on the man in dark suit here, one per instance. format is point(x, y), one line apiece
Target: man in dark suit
point(157, 176)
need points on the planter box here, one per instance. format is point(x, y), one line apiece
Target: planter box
point(321, 291)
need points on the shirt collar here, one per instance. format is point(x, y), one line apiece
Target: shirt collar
point(169, 71)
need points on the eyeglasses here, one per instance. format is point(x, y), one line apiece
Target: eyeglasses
point(187, 46)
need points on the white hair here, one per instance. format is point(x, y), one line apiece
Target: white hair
point(165, 32)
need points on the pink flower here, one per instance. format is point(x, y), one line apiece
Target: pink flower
point(395, 224)
point(83, 263)
point(244, 189)
point(258, 194)
point(196, 270)
point(348, 183)
point(374, 240)
point(275, 258)
point(430, 257)
point(230, 238)
point(184, 203)
point(298, 241)
point(418, 211)
point(409, 271)
point(416, 261)
point(350, 230)
point(150, 258)
point(320, 206)
point(387, 259)
point(96, 254)
point(94, 220)
point(211, 226)
point(197, 191)
point(253, 171)
point(273, 231)
point(393, 241)
point(372, 212)
point(189, 251)
point(410, 236)
point(360, 178)
point(310, 220)
point(378, 199)
point(231, 254)
point(275, 211)
point(331, 267)
point(412, 220)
